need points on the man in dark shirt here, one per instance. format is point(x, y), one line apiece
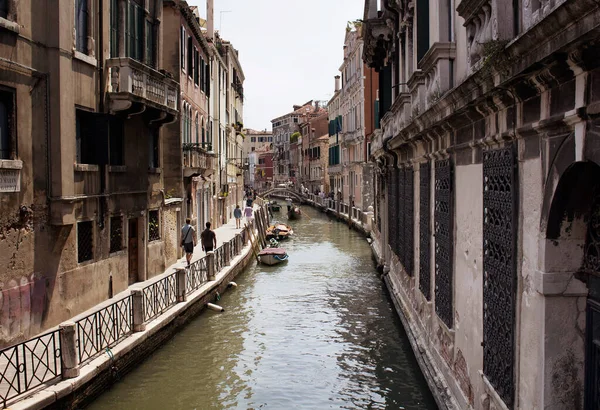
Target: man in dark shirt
point(208, 238)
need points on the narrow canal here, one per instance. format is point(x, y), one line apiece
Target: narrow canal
point(316, 333)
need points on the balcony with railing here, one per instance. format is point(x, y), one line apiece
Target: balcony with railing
point(134, 86)
point(197, 160)
point(354, 137)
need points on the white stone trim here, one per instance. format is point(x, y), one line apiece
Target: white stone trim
point(10, 25)
point(86, 167)
point(11, 164)
point(77, 55)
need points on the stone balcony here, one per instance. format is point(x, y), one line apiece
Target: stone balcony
point(353, 137)
point(376, 142)
point(135, 88)
point(334, 169)
point(197, 161)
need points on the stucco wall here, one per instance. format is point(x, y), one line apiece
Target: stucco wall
point(468, 271)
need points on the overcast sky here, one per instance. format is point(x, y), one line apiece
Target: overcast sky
point(289, 50)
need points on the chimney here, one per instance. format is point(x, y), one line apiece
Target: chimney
point(337, 83)
point(210, 19)
point(316, 106)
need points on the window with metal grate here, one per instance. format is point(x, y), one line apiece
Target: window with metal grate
point(153, 225)
point(116, 233)
point(85, 241)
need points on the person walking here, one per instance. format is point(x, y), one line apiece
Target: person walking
point(188, 239)
point(208, 239)
point(237, 213)
point(248, 213)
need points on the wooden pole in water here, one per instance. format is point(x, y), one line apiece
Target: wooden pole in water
point(261, 228)
point(251, 234)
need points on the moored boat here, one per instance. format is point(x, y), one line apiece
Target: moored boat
point(273, 256)
point(279, 231)
point(294, 213)
point(275, 207)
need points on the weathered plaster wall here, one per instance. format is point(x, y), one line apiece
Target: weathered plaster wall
point(171, 233)
point(468, 276)
point(156, 258)
point(530, 304)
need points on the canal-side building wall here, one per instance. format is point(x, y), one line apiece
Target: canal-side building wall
point(234, 114)
point(81, 209)
point(283, 128)
point(353, 122)
point(487, 179)
point(334, 166)
point(186, 54)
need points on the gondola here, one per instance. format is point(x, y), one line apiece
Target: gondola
point(294, 213)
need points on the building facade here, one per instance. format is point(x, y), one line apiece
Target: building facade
point(311, 152)
point(255, 139)
point(234, 138)
point(486, 179)
point(283, 128)
point(187, 55)
point(83, 213)
point(351, 119)
point(263, 171)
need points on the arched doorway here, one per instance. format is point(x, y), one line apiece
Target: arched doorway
point(570, 279)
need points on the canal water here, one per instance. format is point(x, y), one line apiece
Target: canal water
point(317, 332)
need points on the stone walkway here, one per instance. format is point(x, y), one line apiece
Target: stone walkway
point(224, 234)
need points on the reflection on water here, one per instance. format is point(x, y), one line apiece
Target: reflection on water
point(315, 333)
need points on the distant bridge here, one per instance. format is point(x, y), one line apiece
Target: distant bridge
point(283, 192)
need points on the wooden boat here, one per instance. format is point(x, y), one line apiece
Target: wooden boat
point(279, 231)
point(294, 213)
point(275, 207)
point(272, 256)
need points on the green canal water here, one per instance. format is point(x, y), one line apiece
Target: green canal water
point(318, 332)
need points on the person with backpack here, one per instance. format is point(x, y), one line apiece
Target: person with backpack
point(188, 239)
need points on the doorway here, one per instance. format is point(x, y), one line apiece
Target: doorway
point(132, 249)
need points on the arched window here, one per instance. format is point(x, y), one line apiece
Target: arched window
point(190, 123)
point(184, 123)
point(203, 134)
point(197, 131)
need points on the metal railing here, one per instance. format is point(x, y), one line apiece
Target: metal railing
point(232, 253)
point(219, 258)
point(28, 365)
point(159, 297)
point(196, 275)
point(104, 328)
point(130, 76)
point(40, 361)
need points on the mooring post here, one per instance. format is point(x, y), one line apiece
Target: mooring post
point(68, 350)
point(180, 279)
point(210, 265)
point(137, 304)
